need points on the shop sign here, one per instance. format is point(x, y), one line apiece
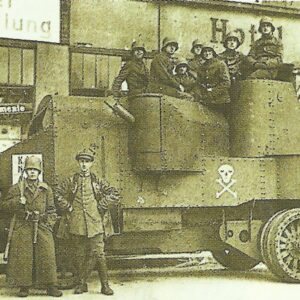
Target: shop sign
point(30, 20)
point(12, 109)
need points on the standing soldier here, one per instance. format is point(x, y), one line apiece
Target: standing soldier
point(184, 77)
point(134, 72)
point(31, 256)
point(85, 199)
point(213, 80)
point(265, 55)
point(162, 77)
point(197, 60)
point(235, 60)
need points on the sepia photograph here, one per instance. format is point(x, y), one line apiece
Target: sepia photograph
point(149, 149)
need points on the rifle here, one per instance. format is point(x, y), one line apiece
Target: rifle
point(13, 219)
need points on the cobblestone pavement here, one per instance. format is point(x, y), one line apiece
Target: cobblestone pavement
point(192, 278)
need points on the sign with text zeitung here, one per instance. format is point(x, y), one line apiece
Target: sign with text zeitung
point(37, 20)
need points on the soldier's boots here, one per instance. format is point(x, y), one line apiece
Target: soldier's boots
point(81, 288)
point(23, 292)
point(106, 289)
point(54, 291)
point(102, 271)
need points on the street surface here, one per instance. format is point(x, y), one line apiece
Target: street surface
point(195, 277)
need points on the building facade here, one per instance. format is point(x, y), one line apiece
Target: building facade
point(94, 36)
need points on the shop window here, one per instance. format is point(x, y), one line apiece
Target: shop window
point(17, 66)
point(92, 74)
point(93, 70)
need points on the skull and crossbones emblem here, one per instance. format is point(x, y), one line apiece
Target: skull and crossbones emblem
point(226, 172)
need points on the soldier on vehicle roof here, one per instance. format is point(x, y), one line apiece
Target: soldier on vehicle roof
point(162, 77)
point(134, 72)
point(235, 60)
point(197, 60)
point(265, 55)
point(85, 200)
point(213, 80)
point(183, 76)
point(31, 258)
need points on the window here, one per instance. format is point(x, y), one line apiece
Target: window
point(17, 76)
point(17, 66)
point(93, 70)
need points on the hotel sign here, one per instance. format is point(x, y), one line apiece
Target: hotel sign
point(37, 20)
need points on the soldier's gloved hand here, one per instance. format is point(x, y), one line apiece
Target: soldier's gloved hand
point(23, 200)
point(260, 65)
point(181, 88)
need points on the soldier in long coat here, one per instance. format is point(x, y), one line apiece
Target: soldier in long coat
point(234, 59)
point(85, 200)
point(31, 261)
point(197, 60)
point(162, 77)
point(265, 55)
point(134, 72)
point(213, 80)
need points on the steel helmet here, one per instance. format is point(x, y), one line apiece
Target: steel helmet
point(33, 162)
point(208, 45)
point(181, 62)
point(267, 20)
point(138, 45)
point(167, 41)
point(195, 43)
point(233, 34)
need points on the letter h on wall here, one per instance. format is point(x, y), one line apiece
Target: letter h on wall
point(215, 29)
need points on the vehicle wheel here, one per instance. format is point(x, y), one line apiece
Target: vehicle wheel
point(280, 244)
point(263, 240)
point(234, 259)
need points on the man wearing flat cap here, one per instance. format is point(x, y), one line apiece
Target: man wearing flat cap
point(85, 200)
point(162, 77)
point(134, 72)
point(31, 257)
point(265, 55)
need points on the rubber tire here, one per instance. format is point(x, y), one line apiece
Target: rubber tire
point(263, 240)
point(234, 259)
point(269, 246)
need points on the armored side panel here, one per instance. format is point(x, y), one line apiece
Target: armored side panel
point(205, 186)
point(288, 176)
point(264, 119)
point(91, 123)
point(171, 134)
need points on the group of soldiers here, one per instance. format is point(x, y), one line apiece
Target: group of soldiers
point(208, 76)
point(83, 201)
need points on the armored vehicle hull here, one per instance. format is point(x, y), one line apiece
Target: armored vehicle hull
point(190, 177)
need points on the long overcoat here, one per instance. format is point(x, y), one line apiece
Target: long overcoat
point(213, 83)
point(30, 263)
point(162, 79)
point(236, 62)
point(268, 52)
point(136, 75)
